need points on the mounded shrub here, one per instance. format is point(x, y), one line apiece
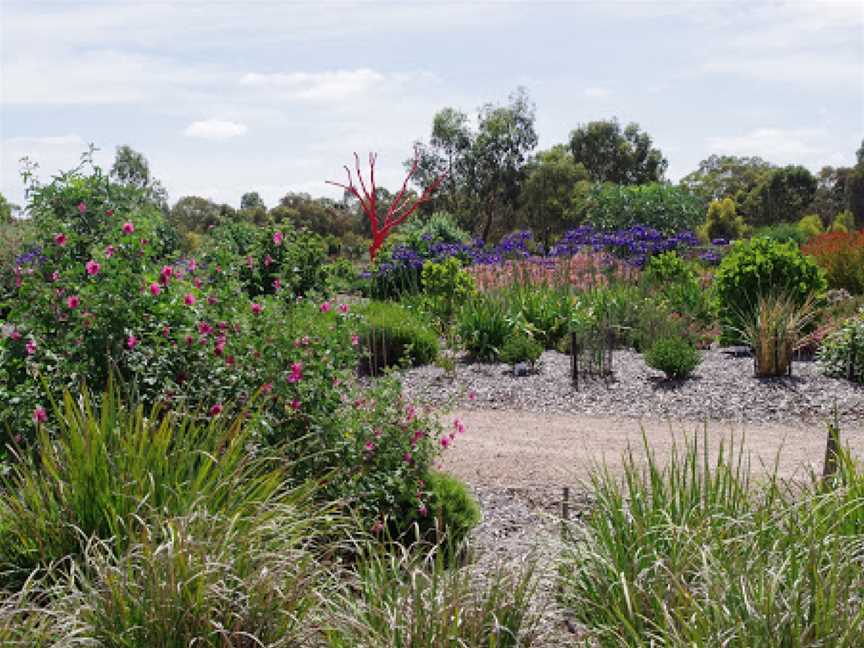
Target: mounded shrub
point(842, 352)
point(841, 256)
point(521, 348)
point(674, 356)
point(451, 507)
point(757, 268)
point(392, 334)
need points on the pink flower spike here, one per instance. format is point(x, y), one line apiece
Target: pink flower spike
point(131, 342)
point(277, 238)
point(73, 301)
point(92, 267)
point(325, 307)
point(128, 228)
point(256, 309)
point(155, 289)
point(216, 410)
point(60, 239)
point(189, 299)
point(39, 414)
point(82, 207)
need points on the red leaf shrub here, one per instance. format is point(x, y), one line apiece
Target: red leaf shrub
point(841, 255)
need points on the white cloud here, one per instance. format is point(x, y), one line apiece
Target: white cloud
point(334, 85)
point(215, 129)
point(596, 92)
point(776, 144)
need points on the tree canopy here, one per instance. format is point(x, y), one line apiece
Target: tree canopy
point(611, 154)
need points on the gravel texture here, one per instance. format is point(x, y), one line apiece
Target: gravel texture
point(722, 388)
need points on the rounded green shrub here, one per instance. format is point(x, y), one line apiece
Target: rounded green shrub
point(674, 356)
point(842, 353)
point(445, 286)
point(393, 334)
point(521, 348)
point(722, 221)
point(757, 268)
point(666, 267)
point(451, 508)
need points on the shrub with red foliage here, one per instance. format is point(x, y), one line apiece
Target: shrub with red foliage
point(841, 254)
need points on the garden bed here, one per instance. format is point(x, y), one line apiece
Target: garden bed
point(722, 388)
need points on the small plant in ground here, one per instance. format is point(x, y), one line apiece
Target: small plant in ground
point(842, 352)
point(392, 334)
point(775, 330)
point(675, 356)
point(521, 348)
point(446, 286)
point(453, 511)
point(484, 326)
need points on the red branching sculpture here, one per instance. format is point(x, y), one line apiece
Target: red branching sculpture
point(399, 209)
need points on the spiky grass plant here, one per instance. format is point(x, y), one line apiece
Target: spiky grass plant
point(695, 553)
point(406, 596)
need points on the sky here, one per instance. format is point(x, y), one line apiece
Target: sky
point(224, 96)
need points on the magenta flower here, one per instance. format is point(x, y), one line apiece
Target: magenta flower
point(257, 308)
point(370, 447)
point(267, 261)
point(266, 388)
point(407, 458)
point(189, 299)
point(131, 342)
point(422, 510)
point(73, 301)
point(343, 308)
point(355, 340)
point(295, 404)
point(325, 307)
point(55, 276)
point(211, 299)
point(277, 285)
point(296, 373)
point(277, 238)
point(193, 265)
point(216, 410)
point(445, 441)
point(82, 207)
point(197, 283)
point(378, 527)
point(60, 239)
point(155, 289)
point(128, 228)
point(92, 267)
point(109, 213)
point(204, 328)
point(30, 346)
point(109, 251)
point(39, 414)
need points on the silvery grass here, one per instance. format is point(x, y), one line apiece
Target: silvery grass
point(697, 553)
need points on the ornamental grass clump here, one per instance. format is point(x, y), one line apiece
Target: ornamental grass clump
point(693, 551)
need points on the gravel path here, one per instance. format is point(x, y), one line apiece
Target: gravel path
point(723, 388)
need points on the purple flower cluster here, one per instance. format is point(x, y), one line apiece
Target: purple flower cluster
point(634, 244)
point(33, 256)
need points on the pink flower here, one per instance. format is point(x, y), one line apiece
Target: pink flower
point(407, 458)
point(166, 331)
point(128, 227)
point(370, 447)
point(15, 335)
point(73, 301)
point(267, 261)
point(256, 309)
point(82, 207)
point(343, 308)
point(277, 285)
point(295, 404)
point(216, 410)
point(472, 395)
point(60, 239)
point(458, 426)
point(155, 289)
point(211, 299)
point(109, 213)
point(445, 441)
point(39, 414)
point(378, 527)
point(204, 328)
point(131, 342)
point(55, 276)
point(189, 340)
point(422, 510)
point(197, 283)
point(277, 238)
point(189, 299)
point(249, 262)
point(193, 265)
point(355, 340)
point(266, 388)
point(296, 373)
point(109, 251)
point(325, 307)
point(92, 267)
point(31, 347)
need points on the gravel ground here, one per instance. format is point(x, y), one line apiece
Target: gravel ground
point(722, 388)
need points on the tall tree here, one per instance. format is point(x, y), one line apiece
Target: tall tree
point(727, 176)
point(611, 154)
point(782, 197)
point(7, 210)
point(197, 214)
point(547, 204)
point(251, 200)
point(131, 168)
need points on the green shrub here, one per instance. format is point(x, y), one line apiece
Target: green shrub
point(759, 267)
point(521, 348)
point(542, 310)
point(420, 236)
point(446, 286)
point(666, 208)
point(810, 226)
point(722, 221)
point(484, 326)
point(782, 233)
point(843, 222)
point(392, 334)
point(842, 353)
point(675, 357)
point(668, 267)
point(452, 510)
point(690, 550)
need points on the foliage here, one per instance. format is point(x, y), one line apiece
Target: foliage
point(422, 236)
point(722, 221)
point(404, 597)
point(756, 268)
point(6, 211)
point(691, 551)
point(810, 226)
point(446, 286)
point(842, 353)
point(132, 169)
point(392, 334)
point(675, 356)
point(782, 196)
point(620, 157)
point(667, 267)
point(666, 208)
point(484, 326)
point(727, 176)
point(198, 215)
point(453, 510)
point(775, 330)
point(521, 348)
point(782, 233)
point(843, 222)
point(841, 256)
